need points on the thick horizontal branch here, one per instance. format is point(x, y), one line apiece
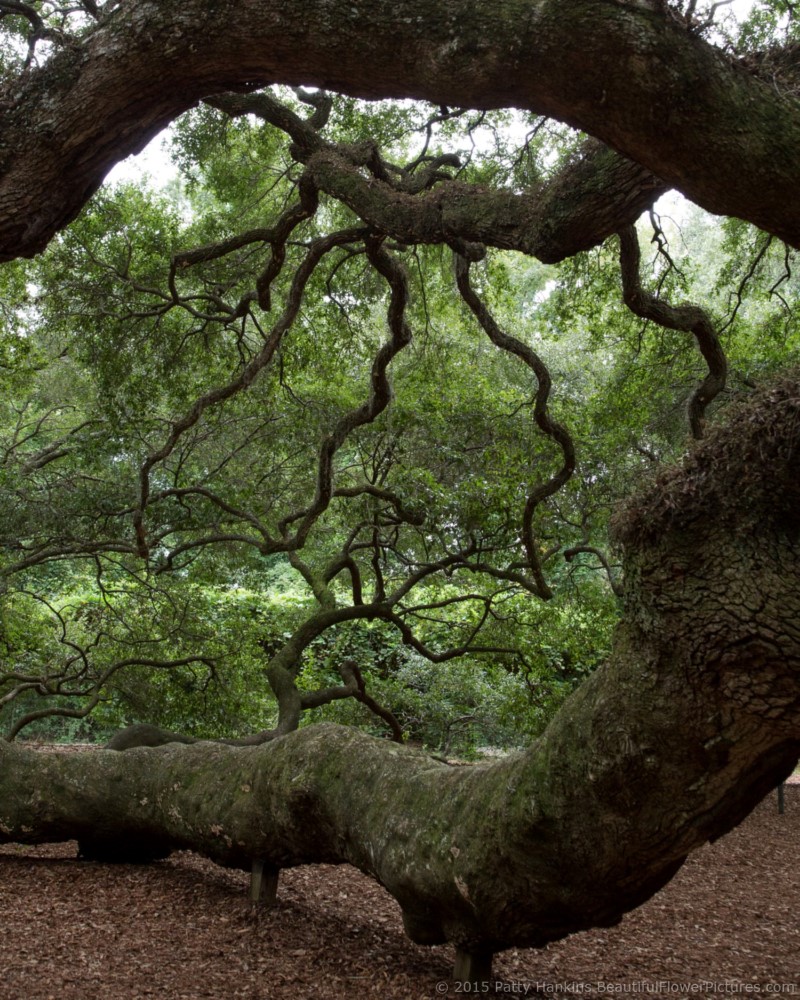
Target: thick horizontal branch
point(630, 74)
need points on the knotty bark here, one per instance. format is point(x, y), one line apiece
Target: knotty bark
point(694, 718)
point(627, 72)
point(589, 198)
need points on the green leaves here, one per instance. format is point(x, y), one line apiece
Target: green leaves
point(196, 472)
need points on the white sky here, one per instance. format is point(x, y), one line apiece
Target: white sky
point(152, 166)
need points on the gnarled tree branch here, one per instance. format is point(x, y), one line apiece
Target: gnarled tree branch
point(630, 74)
point(687, 318)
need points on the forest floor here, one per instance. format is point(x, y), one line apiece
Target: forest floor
point(181, 929)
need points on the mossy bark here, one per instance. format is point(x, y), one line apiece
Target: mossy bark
point(630, 74)
point(695, 717)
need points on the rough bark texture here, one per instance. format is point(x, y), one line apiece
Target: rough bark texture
point(595, 194)
point(693, 720)
point(182, 929)
point(627, 72)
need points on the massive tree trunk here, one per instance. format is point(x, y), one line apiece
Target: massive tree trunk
point(629, 73)
point(695, 717)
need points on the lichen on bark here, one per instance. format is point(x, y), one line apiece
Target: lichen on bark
point(694, 718)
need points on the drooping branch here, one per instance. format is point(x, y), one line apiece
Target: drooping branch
point(276, 236)
point(738, 294)
point(686, 318)
point(546, 424)
point(470, 644)
point(54, 551)
point(40, 30)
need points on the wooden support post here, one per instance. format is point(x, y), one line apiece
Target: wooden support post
point(473, 967)
point(263, 884)
point(781, 803)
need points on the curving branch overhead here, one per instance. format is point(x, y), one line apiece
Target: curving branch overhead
point(632, 74)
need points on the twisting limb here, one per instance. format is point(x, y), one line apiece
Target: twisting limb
point(276, 236)
point(686, 318)
point(321, 102)
point(289, 221)
point(585, 202)
point(354, 687)
point(554, 430)
point(91, 104)
point(380, 389)
point(246, 376)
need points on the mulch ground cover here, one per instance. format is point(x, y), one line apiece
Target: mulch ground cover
point(182, 929)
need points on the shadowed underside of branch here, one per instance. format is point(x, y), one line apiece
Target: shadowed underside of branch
point(632, 75)
point(693, 719)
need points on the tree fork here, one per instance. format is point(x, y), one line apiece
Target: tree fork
point(695, 717)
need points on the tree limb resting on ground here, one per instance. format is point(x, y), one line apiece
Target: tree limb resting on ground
point(693, 719)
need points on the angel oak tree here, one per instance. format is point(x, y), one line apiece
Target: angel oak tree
point(634, 74)
point(693, 719)
point(697, 713)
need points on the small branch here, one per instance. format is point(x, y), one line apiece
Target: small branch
point(615, 584)
point(349, 667)
point(380, 389)
point(685, 318)
point(766, 244)
point(551, 428)
point(242, 381)
point(354, 687)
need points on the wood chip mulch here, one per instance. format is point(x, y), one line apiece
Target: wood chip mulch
point(182, 929)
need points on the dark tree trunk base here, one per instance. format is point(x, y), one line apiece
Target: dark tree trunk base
point(263, 885)
point(473, 967)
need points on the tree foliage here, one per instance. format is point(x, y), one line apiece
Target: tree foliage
point(244, 368)
point(333, 427)
point(158, 403)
